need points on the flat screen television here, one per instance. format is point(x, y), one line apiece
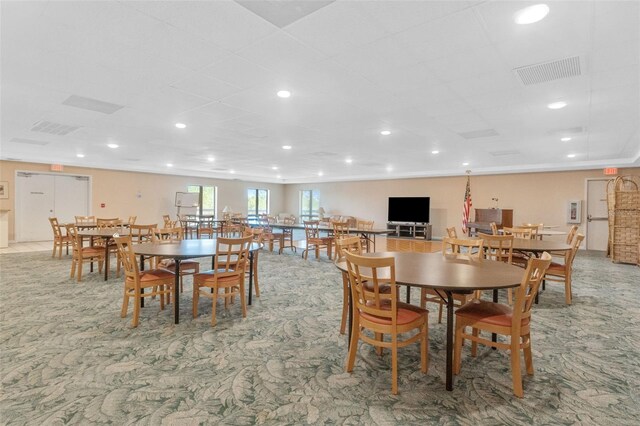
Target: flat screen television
point(408, 209)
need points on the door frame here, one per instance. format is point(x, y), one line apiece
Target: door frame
point(586, 210)
point(18, 215)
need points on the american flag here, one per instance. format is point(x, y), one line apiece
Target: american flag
point(466, 207)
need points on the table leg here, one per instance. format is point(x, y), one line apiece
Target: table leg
point(90, 245)
point(251, 275)
point(176, 293)
point(408, 294)
point(141, 288)
point(494, 336)
point(449, 340)
point(106, 259)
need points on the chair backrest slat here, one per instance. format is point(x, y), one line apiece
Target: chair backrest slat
point(375, 272)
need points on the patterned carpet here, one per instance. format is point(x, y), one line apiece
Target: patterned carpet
point(68, 358)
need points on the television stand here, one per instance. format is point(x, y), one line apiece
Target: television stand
point(409, 230)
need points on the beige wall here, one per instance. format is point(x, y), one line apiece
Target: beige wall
point(534, 197)
point(118, 190)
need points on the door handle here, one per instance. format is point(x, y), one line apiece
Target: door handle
point(592, 218)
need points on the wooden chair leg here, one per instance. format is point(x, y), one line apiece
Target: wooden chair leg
point(567, 289)
point(424, 347)
point(243, 299)
point(136, 311)
point(457, 350)
point(515, 367)
point(353, 345)
point(196, 296)
point(345, 303)
point(214, 298)
point(394, 364)
point(474, 344)
point(125, 305)
point(528, 358)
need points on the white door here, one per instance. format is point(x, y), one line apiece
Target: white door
point(40, 196)
point(597, 215)
point(71, 197)
point(34, 205)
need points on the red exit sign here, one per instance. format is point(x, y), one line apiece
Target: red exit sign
point(611, 171)
point(57, 168)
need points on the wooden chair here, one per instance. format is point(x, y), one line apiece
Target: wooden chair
point(82, 254)
point(174, 236)
point(494, 228)
point(226, 280)
point(83, 220)
point(500, 249)
point(314, 240)
point(114, 224)
point(59, 238)
point(570, 235)
point(465, 249)
point(519, 232)
point(451, 232)
point(561, 272)
point(205, 227)
point(159, 281)
point(351, 245)
point(502, 319)
point(365, 225)
point(143, 234)
point(380, 313)
point(256, 237)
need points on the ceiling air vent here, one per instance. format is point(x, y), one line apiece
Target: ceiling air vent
point(549, 71)
point(53, 128)
point(92, 104)
point(28, 141)
point(505, 153)
point(475, 134)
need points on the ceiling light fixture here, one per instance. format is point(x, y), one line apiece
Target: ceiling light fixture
point(320, 174)
point(210, 159)
point(169, 165)
point(349, 160)
point(284, 94)
point(278, 176)
point(286, 146)
point(557, 105)
point(565, 139)
point(232, 171)
point(385, 132)
point(465, 164)
point(571, 156)
point(435, 152)
point(274, 168)
point(531, 14)
point(80, 155)
point(181, 125)
point(389, 168)
point(113, 145)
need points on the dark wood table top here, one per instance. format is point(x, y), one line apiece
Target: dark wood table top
point(103, 232)
point(324, 228)
point(433, 270)
point(184, 249)
point(535, 246)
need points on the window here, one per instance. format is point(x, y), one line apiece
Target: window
point(309, 204)
point(257, 202)
point(207, 199)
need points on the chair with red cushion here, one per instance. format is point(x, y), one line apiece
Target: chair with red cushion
point(226, 280)
point(561, 272)
point(159, 281)
point(81, 254)
point(174, 236)
point(59, 238)
point(503, 319)
point(376, 314)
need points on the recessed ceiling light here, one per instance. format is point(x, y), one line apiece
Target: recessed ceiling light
point(320, 174)
point(232, 171)
point(349, 160)
point(389, 168)
point(465, 164)
point(80, 155)
point(435, 151)
point(286, 146)
point(210, 158)
point(557, 105)
point(531, 14)
point(169, 165)
point(278, 176)
point(274, 168)
point(113, 145)
point(181, 125)
point(284, 94)
point(571, 156)
point(385, 132)
point(565, 139)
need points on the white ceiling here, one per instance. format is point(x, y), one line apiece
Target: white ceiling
point(428, 71)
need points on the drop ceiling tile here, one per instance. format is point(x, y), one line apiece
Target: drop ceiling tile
point(239, 72)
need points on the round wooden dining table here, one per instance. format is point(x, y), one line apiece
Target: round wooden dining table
point(187, 249)
point(447, 274)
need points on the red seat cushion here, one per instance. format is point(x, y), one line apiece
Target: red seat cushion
point(556, 268)
point(488, 312)
point(155, 274)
